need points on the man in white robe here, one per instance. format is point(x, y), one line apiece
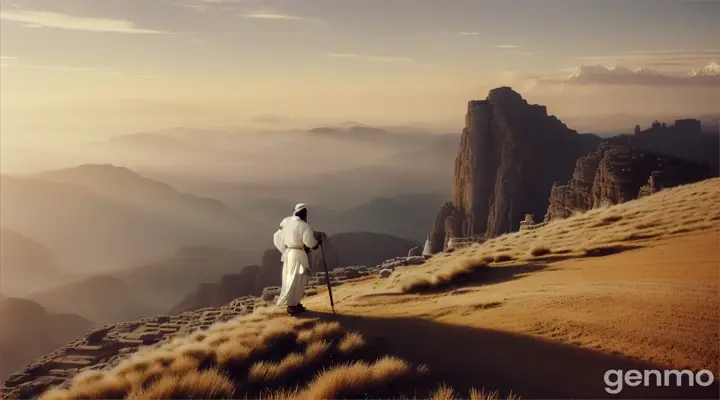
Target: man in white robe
point(296, 238)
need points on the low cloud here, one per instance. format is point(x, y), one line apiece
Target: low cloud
point(192, 6)
point(506, 46)
point(64, 21)
point(469, 33)
point(203, 5)
point(278, 16)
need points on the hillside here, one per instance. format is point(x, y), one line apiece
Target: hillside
point(48, 211)
point(102, 299)
point(163, 283)
point(27, 331)
point(116, 218)
point(406, 216)
point(26, 264)
point(632, 286)
point(127, 187)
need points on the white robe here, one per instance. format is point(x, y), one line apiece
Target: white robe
point(277, 238)
point(295, 236)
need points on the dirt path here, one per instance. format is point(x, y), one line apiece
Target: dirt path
point(553, 330)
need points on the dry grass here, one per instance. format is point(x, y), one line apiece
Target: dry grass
point(503, 258)
point(598, 232)
point(351, 342)
point(207, 384)
point(463, 270)
point(357, 380)
point(539, 251)
point(256, 356)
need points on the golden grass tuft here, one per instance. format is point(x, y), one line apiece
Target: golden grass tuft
point(500, 258)
point(110, 386)
point(540, 251)
point(86, 377)
point(265, 371)
point(462, 270)
point(351, 342)
point(352, 380)
point(184, 364)
point(316, 350)
point(198, 351)
point(232, 352)
point(208, 384)
point(444, 392)
point(321, 331)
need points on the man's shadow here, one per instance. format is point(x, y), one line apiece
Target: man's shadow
point(466, 357)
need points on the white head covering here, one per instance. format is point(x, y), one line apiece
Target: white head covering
point(299, 207)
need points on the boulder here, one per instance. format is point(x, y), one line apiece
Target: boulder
point(415, 260)
point(385, 273)
point(415, 251)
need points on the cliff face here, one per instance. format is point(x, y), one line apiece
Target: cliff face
point(510, 154)
point(617, 173)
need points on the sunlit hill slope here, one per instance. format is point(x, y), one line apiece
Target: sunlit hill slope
point(540, 314)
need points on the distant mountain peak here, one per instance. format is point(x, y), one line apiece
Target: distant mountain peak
point(711, 69)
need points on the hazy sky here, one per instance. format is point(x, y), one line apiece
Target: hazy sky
point(99, 67)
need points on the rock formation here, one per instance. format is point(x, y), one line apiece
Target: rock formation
point(510, 154)
point(617, 173)
point(683, 139)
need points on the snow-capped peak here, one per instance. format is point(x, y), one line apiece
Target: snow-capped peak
point(590, 70)
point(712, 69)
point(646, 71)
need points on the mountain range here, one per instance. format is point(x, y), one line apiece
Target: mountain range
point(102, 217)
point(615, 74)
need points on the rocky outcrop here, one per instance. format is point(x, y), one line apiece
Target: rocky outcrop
point(510, 154)
point(683, 139)
point(617, 173)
